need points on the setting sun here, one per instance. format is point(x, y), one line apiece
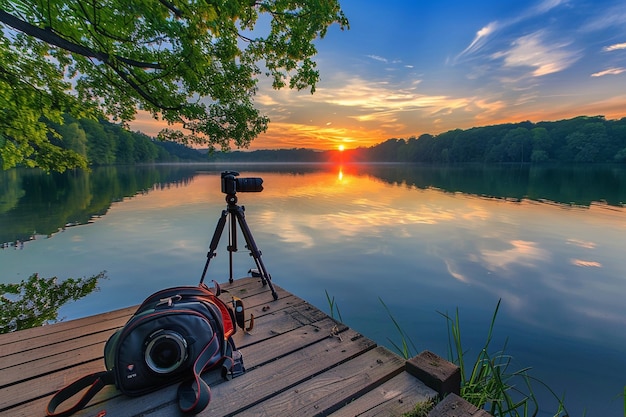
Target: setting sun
point(341, 148)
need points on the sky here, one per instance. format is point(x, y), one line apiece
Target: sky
point(406, 68)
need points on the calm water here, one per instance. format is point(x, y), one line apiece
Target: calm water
point(548, 242)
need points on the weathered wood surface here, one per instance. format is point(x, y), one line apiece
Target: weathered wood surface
point(298, 362)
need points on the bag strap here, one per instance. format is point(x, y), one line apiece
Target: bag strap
point(95, 382)
point(195, 394)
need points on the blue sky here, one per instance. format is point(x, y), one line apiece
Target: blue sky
point(410, 67)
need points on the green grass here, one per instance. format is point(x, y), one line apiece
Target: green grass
point(489, 380)
point(421, 409)
point(406, 348)
point(333, 307)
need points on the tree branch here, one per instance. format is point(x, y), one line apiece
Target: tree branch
point(56, 40)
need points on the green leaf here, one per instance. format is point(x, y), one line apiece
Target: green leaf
point(193, 65)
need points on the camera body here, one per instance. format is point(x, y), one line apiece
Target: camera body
point(231, 184)
point(160, 344)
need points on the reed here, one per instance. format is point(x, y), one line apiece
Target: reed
point(332, 305)
point(489, 382)
point(404, 349)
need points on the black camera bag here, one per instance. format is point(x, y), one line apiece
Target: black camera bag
point(190, 322)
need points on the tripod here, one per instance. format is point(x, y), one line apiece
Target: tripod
point(236, 214)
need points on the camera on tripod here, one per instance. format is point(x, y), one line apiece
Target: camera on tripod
point(231, 184)
point(234, 214)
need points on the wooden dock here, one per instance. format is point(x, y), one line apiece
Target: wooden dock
point(299, 362)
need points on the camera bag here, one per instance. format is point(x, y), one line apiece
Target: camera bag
point(175, 335)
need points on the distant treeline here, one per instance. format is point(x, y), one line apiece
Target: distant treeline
point(105, 143)
point(580, 140)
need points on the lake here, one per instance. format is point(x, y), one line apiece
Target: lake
point(546, 241)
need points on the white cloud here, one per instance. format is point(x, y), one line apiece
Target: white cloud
point(608, 17)
point(480, 39)
point(614, 47)
point(531, 51)
point(378, 58)
point(545, 6)
point(487, 31)
point(610, 71)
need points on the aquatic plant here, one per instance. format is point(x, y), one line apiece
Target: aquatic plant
point(488, 381)
point(403, 348)
point(332, 305)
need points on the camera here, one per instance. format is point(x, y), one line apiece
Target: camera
point(231, 184)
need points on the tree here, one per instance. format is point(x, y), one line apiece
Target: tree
point(100, 144)
point(192, 64)
point(73, 137)
point(517, 143)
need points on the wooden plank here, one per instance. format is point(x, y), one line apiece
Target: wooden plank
point(247, 287)
point(267, 381)
point(20, 343)
point(254, 356)
point(453, 405)
point(41, 336)
point(394, 398)
point(243, 288)
point(277, 324)
point(254, 386)
point(45, 385)
point(56, 362)
point(283, 344)
point(37, 407)
point(299, 362)
point(334, 388)
point(32, 358)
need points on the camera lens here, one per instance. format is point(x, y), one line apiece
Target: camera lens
point(166, 351)
point(249, 185)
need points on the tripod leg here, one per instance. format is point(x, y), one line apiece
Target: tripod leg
point(214, 242)
point(254, 251)
point(232, 245)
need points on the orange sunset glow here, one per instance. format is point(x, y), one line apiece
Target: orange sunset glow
point(402, 72)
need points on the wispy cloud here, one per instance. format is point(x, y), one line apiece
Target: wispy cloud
point(545, 6)
point(606, 18)
point(480, 39)
point(610, 71)
point(378, 58)
point(586, 264)
point(487, 31)
point(614, 47)
point(531, 51)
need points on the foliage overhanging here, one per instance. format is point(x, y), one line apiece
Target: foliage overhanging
point(192, 64)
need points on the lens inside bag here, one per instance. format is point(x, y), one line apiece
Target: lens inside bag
point(166, 351)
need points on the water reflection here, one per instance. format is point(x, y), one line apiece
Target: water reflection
point(424, 239)
point(76, 198)
point(36, 205)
